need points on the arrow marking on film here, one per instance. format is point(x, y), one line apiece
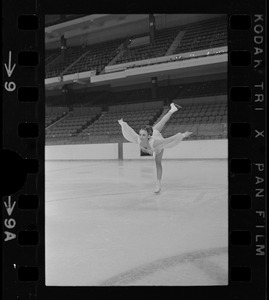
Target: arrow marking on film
point(9, 69)
point(9, 207)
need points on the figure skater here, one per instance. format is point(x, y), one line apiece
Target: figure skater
point(151, 141)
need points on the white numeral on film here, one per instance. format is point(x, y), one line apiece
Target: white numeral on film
point(10, 86)
point(10, 223)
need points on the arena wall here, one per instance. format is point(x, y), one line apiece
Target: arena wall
point(205, 149)
point(81, 152)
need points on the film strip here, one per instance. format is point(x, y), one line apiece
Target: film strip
point(23, 151)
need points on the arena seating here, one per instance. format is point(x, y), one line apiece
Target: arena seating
point(175, 91)
point(72, 124)
point(200, 35)
point(52, 118)
point(89, 99)
point(57, 19)
point(93, 57)
point(204, 88)
point(204, 120)
point(179, 91)
point(207, 119)
point(169, 92)
point(108, 122)
point(132, 96)
point(54, 113)
point(71, 55)
point(51, 55)
point(162, 42)
point(97, 57)
point(107, 98)
point(204, 35)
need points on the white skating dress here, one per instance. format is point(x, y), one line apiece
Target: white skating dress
point(157, 142)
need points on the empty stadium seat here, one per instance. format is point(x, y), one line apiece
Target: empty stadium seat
point(203, 35)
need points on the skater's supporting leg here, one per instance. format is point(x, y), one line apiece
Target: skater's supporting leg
point(158, 161)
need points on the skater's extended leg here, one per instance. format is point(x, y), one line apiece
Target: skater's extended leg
point(159, 126)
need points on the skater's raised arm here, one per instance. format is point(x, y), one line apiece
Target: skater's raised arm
point(128, 132)
point(171, 141)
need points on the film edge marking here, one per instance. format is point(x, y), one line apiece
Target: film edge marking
point(9, 223)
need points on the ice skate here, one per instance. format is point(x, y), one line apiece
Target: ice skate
point(174, 107)
point(157, 188)
point(120, 121)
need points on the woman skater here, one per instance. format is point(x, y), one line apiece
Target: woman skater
point(151, 141)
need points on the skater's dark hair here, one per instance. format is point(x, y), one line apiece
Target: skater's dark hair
point(148, 129)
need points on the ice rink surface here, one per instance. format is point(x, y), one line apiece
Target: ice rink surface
point(104, 226)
